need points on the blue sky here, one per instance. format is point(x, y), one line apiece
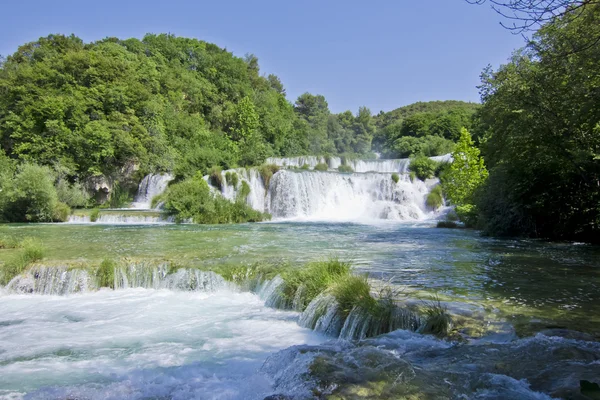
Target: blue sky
point(381, 54)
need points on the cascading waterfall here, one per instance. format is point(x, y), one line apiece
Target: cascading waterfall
point(345, 197)
point(152, 185)
point(116, 219)
point(160, 277)
point(52, 281)
point(256, 198)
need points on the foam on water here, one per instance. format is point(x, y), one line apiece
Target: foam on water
point(140, 343)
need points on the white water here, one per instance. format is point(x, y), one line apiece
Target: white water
point(330, 196)
point(140, 343)
point(393, 165)
point(117, 219)
point(152, 185)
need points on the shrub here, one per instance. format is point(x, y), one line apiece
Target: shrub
point(442, 168)
point(244, 192)
point(321, 167)
point(216, 178)
point(395, 177)
point(423, 167)
point(267, 171)
point(412, 175)
point(32, 197)
point(121, 196)
point(73, 195)
point(32, 251)
point(345, 168)
point(192, 200)
point(94, 215)
point(231, 178)
point(305, 166)
point(105, 274)
point(447, 224)
point(61, 212)
point(435, 198)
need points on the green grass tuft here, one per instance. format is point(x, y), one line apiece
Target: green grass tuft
point(354, 291)
point(232, 178)
point(435, 198)
point(321, 167)
point(345, 169)
point(105, 274)
point(305, 166)
point(94, 215)
point(412, 175)
point(438, 322)
point(32, 251)
point(395, 177)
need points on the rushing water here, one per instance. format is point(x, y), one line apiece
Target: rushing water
point(190, 335)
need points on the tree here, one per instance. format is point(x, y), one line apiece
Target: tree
point(467, 173)
point(527, 15)
point(541, 119)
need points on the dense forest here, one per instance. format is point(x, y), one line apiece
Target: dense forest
point(74, 115)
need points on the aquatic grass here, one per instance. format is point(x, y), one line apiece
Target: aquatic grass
point(345, 169)
point(9, 242)
point(94, 215)
point(244, 192)
point(267, 171)
point(32, 250)
point(311, 280)
point(438, 321)
point(321, 167)
point(105, 274)
point(395, 177)
point(353, 291)
point(435, 198)
point(305, 166)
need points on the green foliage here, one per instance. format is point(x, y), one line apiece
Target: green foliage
point(395, 177)
point(305, 166)
point(345, 169)
point(73, 195)
point(540, 133)
point(412, 175)
point(9, 242)
point(312, 280)
point(266, 172)
point(231, 178)
point(191, 200)
point(352, 291)
point(435, 198)
point(244, 192)
point(321, 167)
point(31, 196)
point(31, 251)
point(61, 212)
point(423, 167)
point(438, 322)
point(120, 197)
point(105, 274)
point(216, 178)
point(429, 146)
point(94, 215)
point(466, 175)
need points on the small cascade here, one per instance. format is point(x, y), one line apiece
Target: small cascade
point(362, 323)
point(152, 185)
point(116, 219)
point(229, 190)
point(52, 281)
point(322, 315)
point(161, 277)
point(310, 161)
point(345, 197)
point(272, 293)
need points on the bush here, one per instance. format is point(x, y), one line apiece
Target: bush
point(105, 274)
point(345, 169)
point(121, 196)
point(73, 195)
point(244, 192)
point(429, 146)
point(423, 167)
point(94, 215)
point(267, 171)
point(61, 212)
point(395, 177)
point(231, 178)
point(216, 178)
point(321, 167)
point(305, 166)
point(435, 198)
point(192, 200)
point(32, 197)
point(452, 216)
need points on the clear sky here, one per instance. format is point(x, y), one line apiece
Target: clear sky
point(380, 53)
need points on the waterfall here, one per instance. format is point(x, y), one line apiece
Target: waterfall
point(256, 198)
point(162, 277)
point(345, 197)
point(52, 281)
point(152, 185)
point(115, 219)
point(378, 165)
